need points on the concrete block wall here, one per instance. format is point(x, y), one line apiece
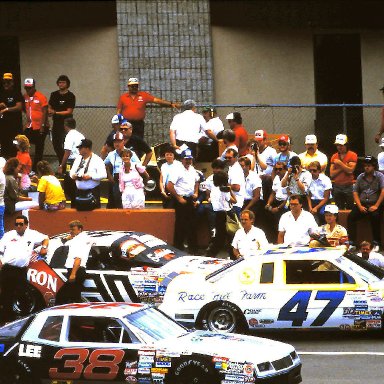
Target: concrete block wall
point(166, 44)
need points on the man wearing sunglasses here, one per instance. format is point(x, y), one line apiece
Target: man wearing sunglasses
point(16, 249)
point(11, 102)
point(132, 105)
point(284, 155)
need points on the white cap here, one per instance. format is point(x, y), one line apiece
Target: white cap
point(381, 142)
point(341, 139)
point(331, 208)
point(133, 80)
point(310, 139)
point(29, 82)
point(229, 117)
point(115, 119)
point(260, 134)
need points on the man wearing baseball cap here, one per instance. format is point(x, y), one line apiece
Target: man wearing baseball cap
point(265, 154)
point(11, 103)
point(235, 122)
point(36, 110)
point(368, 193)
point(284, 155)
point(343, 164)
point(133, 103)
point(108, 145)
point(312, 153)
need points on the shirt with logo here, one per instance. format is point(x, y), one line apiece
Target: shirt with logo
point(133, 107)
point(34, 106)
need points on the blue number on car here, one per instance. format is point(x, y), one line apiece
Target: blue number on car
point(300, 301)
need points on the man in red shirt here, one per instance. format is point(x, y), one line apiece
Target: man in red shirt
point(343, 164)
point(133, 103)
point(235, 122)
point(36, 109)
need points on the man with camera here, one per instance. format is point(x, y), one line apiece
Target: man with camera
point(297, 180)
point(88, 170)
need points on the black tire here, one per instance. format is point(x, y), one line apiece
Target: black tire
point(27, 302)
point(222, 317)
point(193, 370)
point(16, 373)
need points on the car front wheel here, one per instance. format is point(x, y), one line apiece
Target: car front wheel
point(223, 317)
point(16, 373)
point(27, 302)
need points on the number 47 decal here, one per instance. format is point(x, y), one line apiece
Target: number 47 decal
point(301, 300)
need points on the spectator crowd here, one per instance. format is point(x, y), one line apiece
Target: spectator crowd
point(271, 193)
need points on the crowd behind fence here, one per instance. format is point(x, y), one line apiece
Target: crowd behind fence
point(297, 120)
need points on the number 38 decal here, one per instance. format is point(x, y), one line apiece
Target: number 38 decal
point(301, 300)
point(106, 360)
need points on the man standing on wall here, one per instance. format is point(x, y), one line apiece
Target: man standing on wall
point(61, 105)
point(11, 104)
point(36, 109)
point(132, 105)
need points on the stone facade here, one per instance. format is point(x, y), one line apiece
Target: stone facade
point(167, 45)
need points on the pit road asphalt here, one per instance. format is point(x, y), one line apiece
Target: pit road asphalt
point(337, 357)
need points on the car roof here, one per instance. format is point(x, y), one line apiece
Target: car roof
point(99, 309)
point(302, 253)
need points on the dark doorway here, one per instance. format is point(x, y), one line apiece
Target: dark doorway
point(337, 61)
point(10, 57)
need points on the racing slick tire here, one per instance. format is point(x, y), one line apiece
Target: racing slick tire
point(222, 317)
point(16, 373)
point(193, 370)
point(28, 302)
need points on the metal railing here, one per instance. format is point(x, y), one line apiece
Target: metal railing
point(359, 121)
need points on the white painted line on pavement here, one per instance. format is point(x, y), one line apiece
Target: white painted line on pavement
point(330, 353)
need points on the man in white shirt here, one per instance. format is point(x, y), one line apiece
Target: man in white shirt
point(248, 240)
point(367, 253)
point(183, 185)
point(88, 170)
point(17, 247)
point(187, 127)
point(236, 179)
point(79, 246)
point(265, 154)
point(72, 140)
point(296, 225)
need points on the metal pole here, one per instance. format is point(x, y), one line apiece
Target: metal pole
point(345, 120)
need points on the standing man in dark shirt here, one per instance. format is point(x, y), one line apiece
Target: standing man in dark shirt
point(133, 103)
point(11, 104)
point(60, 106)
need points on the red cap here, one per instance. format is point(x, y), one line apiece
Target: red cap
point(284, 138)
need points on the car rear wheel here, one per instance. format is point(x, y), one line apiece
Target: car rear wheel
point(223, 317)
point(193, 370)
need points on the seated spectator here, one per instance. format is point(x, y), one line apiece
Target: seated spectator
point(221, 197)
point(131, 182)
point(343, 164)
point(297, 180)
point(367, 253)
point(312, 153)
point(235, 122)
point(368, 193)
point(22, 145)
point(277, 201)
point(248, 240)
point(380, 156)
point(296, 225)
point(229, 138)
point(319, 192)
point(14, 201)
point(334, 233)
point(51, 193)
point(165, 173)
point(284, 155)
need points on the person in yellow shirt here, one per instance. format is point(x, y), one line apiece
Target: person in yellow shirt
point(312, 153)
point(51, 194)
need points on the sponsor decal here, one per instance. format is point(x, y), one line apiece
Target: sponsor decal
point(130, 371)
point(2, 346)
point(359, 324)
point(266, 321)
point(373, 324)
point(159, 370)
point(245, 295)
point(144, 365)
point(236, 378)
point(248, 369)
point(219, 359)
point(253, 322)
point(151, 352)
point(146, 358)
point(30, 350)
point(131, 364)
point(184, 296)
point(252, 311)
point(247, 276)
point(163, 363)
point(42, 278)
point(131, 379)
point(190, 363)
point(144, 371)
point(345, 327)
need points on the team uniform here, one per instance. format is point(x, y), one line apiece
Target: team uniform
point(248, 243)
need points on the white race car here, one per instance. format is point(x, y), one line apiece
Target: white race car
point(282, 288)
point(120, 343)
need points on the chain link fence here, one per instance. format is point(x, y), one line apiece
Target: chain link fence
point(360, 122)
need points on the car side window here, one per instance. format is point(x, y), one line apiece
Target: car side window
point(266, 275)
point(51, 329)
point(315, 272)
point(86, 329)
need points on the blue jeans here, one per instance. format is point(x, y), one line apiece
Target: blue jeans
point(2, 208)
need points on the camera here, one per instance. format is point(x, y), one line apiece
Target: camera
point(295, 169)
point(224, 188)
point(255, 146)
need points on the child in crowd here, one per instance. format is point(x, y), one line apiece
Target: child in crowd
point(22, 145)
point(131, 182)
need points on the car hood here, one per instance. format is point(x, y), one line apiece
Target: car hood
point(235, 347)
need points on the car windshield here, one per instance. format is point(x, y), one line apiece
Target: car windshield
point(155, 324)
point(366, 270)
point(12, 329)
